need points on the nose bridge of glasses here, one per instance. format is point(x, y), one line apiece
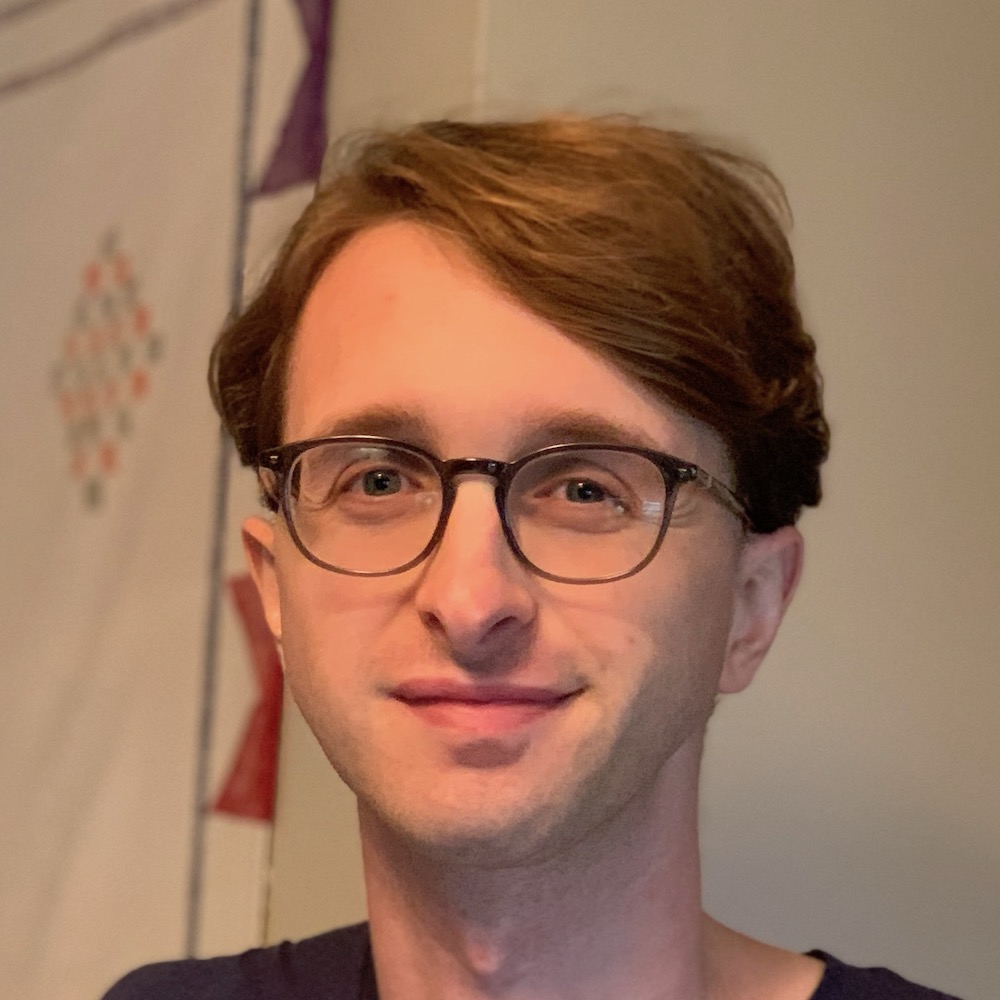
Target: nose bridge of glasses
point(452, 472)
point(456, 467)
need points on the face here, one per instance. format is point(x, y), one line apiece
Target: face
point(475, 708)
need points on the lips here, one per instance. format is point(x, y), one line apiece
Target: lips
point(484, 709)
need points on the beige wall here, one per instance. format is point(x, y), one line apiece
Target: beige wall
point(853, 795)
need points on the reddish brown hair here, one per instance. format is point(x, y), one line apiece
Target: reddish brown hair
point(663, 253)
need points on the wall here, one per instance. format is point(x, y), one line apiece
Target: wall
point(851, 795)
point(139, 169)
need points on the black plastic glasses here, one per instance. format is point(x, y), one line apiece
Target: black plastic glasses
point(573, 513)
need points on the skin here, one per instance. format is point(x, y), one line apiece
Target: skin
point(511, 851)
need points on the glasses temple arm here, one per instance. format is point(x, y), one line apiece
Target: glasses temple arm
point(724, 495)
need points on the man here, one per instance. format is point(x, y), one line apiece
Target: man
point(493, 365)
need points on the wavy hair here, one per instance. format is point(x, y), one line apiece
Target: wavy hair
point(662, 252)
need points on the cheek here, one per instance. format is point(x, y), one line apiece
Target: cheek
point(326, 664)
point(341, 637)
point(661, 633)
point(320, 631)
point(322, 612)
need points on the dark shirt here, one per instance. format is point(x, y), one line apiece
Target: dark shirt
point(338, 966)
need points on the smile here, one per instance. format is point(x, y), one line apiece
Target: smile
point(480, 709)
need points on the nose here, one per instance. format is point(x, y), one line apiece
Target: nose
point(473, 595)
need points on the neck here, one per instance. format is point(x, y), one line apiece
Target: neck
point(617, 914)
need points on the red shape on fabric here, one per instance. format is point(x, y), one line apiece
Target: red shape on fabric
point(249, 789)
point(140, 383)
point(92, 277)
point(140, 320)
point(109, 456)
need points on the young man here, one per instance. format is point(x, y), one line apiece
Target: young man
point(493, 365)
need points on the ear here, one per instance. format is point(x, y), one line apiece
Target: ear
point(767, 575)
point(258, 544)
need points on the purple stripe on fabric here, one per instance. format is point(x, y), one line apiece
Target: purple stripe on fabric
point(299, 153)
point(124, 32)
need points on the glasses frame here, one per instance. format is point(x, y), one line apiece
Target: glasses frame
point(277, 463)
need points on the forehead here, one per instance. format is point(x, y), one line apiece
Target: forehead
point(404, 335)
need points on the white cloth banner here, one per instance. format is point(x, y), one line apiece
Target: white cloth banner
point(123, 127)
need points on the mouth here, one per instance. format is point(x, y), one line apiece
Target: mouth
point(480, 709)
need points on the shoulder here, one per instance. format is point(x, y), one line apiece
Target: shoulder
point(329, 966)
point(848, 982)
point(741, 966)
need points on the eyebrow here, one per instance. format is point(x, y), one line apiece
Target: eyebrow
point(540, 428)
point(580, 427)
point(384, 421)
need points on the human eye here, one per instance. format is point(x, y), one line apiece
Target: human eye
point(581, 495)
point(585, 501)
point(378, 482)
point(587, 491)
point(370, 485)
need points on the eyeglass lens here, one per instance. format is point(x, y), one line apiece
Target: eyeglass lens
point(577, 514)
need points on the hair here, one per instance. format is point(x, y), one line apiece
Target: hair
point(664, 253)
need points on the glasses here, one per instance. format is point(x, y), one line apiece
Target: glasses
point(573, 513)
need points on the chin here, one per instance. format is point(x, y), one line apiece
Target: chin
point(497, 836)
